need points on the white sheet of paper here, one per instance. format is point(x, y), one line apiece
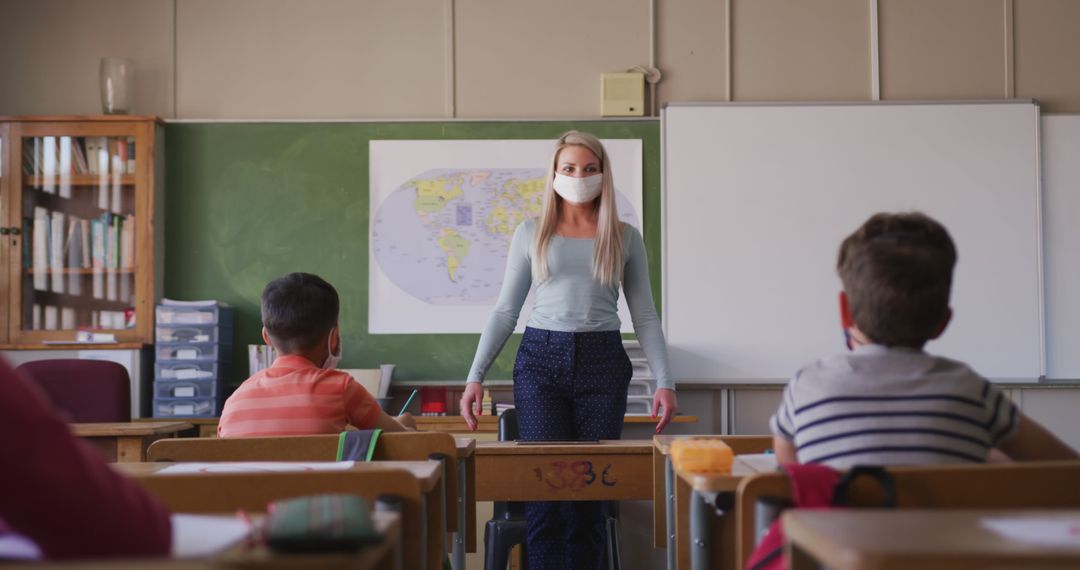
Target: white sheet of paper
point(205, 535)
point(1045, 531)
point(760, 462)
point(256, 467)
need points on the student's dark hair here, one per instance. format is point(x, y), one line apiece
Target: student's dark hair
point(299, 310)
point(897, 273)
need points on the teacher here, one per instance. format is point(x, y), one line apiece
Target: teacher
point(572, 373)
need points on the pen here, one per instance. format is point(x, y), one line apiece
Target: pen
point(407, 402)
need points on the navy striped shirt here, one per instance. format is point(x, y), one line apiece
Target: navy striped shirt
point(892, 406)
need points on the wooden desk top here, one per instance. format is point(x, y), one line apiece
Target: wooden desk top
point(720, 482)
point(387, 524)
point(606, 447)
point(129, 429)
point(911, 538)
point(466, 446)
point(426, 472)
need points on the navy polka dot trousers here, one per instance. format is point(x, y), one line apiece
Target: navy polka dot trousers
point(569, 386)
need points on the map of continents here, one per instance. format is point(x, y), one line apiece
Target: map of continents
point(442, 237)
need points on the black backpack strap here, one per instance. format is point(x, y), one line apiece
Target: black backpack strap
point(879, 474)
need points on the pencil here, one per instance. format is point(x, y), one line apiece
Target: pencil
point(407, 402)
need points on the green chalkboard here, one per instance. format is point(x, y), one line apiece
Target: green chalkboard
point(248, 202)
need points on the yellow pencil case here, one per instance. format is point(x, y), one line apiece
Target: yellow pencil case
point(701, 455)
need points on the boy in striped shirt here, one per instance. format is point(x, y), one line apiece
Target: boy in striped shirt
point(887, 402)
point(303, 393)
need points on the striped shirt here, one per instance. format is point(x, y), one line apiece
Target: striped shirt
point(892, 406)
point(295, 397)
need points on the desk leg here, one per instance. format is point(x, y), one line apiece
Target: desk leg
point(424, 531)
point(798, 559)
point(459, 536)
point(700, 533)
point(669, 511)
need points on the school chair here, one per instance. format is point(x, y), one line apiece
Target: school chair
point(397, 446)
point(86, 390)
point(227, 493)
point(1028, 485)
point(507, 527)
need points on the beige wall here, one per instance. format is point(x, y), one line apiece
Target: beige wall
point(223, 59)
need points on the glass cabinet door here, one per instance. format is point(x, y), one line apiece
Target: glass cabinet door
point(7, 241)
point(77, 202)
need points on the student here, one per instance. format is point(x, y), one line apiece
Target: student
point(887, 402)
point(60, 499)
point(572, 373)
point(302, 393)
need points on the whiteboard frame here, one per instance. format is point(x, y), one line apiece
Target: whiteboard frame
point(1039, 236)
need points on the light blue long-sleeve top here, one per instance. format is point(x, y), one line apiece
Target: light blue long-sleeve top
point(572, 300)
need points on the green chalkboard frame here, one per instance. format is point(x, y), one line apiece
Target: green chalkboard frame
point(247, 202)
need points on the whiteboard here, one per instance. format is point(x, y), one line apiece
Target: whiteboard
point(1061, 207)
point(758, 197)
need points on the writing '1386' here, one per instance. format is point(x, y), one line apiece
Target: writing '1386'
point(571, 475)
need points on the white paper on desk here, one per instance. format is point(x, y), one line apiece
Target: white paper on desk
point(205, 535)
point(256, 467)
point(1045, 531)
point(759, 462)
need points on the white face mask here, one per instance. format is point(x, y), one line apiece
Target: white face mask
point(332, 359)
point(578, 190)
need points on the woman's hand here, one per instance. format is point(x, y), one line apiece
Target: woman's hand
point(665, 398)
point(474, 394)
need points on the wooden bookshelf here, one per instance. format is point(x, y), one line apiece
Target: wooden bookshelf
point(61, 226)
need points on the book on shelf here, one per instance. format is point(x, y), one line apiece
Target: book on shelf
point(84, 229)
point(51, 318)
point(48, 166)
point(56, 251)
point(41, 248)
point(131, 155)
point(79, 153)
point(64, 167)
point(97, 230)
point(127, 242)
point(73, 255)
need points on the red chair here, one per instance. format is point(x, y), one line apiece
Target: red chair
point(86, 390)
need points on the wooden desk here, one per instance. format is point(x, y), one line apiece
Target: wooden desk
point(127, 442)
point(664, 482)
point(698, 528)
point(488, 423)
point(464, 540)
point(885, 539)
point(426, 473)
point(386, 555)
point(607, 471)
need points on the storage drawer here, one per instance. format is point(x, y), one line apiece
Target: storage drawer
point(191, 370)
point(209, 352)
point(193, 334)
point(187, 389)
point(171, 315)
point(186, 408)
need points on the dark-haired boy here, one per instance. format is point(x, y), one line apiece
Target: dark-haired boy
point(302, 393)
point(888, 402)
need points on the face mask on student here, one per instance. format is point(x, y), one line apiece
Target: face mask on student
point(577, 190)
point(332, 359)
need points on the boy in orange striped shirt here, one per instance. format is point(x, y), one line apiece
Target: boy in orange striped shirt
point(302, 393)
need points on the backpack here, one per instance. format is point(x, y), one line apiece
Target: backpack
point(814, 487)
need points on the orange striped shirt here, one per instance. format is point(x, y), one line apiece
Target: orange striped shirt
point(295, 397)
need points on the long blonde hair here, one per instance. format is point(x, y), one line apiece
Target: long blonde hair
point(608, 248)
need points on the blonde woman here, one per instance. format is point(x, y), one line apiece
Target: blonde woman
point(571, 374)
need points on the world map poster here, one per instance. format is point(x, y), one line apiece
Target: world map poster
point(442, 215)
